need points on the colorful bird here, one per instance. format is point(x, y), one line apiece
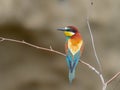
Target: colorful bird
point(73, 47)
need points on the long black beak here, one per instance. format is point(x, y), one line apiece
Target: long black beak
point(61, 29)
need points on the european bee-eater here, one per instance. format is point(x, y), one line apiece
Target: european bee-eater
point(73, 47)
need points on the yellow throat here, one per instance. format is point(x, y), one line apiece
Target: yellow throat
point(68, 33)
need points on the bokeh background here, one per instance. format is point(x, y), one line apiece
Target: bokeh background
point(26, 68)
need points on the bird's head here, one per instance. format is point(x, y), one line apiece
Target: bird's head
point(69, 30)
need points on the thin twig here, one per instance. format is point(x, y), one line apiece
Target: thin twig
point(99, 73)
point(93, 44)
point(95, 70)
point(114, 77)
point(29, 44)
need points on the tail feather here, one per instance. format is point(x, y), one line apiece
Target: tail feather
point(72, 62)
point(71, 76)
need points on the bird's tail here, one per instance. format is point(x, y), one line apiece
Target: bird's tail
point(71, 76)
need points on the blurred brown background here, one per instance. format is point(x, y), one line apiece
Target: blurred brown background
point(35, 21)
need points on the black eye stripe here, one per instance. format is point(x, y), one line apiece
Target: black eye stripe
point(71, 30)
point(68, 29)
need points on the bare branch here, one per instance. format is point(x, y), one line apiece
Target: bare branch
point(47, 49)
point(93, 44)
point(114, 77)
point(95, 70)
point(38, 47)
point(99, 73)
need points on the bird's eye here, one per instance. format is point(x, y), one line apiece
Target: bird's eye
point(67, 29)
point(70, 29)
